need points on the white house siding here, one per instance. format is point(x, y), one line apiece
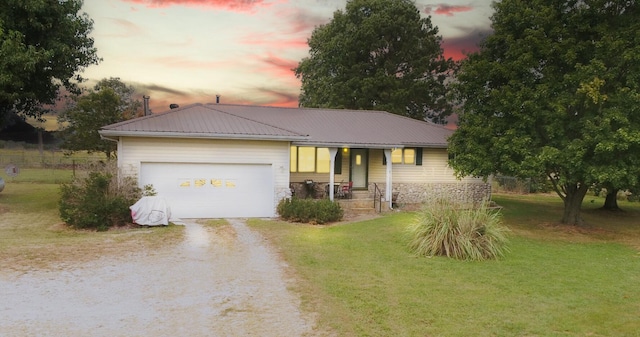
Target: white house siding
point(134, 151)
point(434, 168)
point(433, 179)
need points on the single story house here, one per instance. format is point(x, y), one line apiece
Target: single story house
point(222, 160)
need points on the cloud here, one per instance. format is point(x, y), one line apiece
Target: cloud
point(280, 67)
point(302, 21)
point(277, 97)
point(162, 96)
point(444, 9)
point(158, 88)
point(180, 62)
point(230, 5)
point(458, 47)
point(274, 40)
point(124, 29)
point(296, 26)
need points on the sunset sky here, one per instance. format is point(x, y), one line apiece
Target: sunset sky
point(189, 51)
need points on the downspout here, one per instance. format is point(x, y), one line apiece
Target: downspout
point(388, 191)
point(332, 155)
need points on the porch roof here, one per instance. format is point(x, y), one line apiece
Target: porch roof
point(302, 126)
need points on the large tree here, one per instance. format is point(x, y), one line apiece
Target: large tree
point(377, 54)
point(44, 44)
point(109, 102)
point(554, 92)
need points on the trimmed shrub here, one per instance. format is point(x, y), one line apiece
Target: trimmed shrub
point(98, 201)
point(310, 210)
point(458, 231)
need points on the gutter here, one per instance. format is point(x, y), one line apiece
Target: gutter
point(105, 134)
point(368, 145)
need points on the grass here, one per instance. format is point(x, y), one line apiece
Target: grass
point(32, 235)
point(50, 167)
point(556, 281)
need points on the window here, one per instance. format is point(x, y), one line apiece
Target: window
point(405, 156)
point(306, 159)
point(323, 160)
point(293, 163)
point(396, 156)
point(409, 156)
point(310, 159)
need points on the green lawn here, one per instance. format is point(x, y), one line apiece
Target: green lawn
point(556, 281)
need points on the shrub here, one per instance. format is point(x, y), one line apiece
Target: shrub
point(458, 231)
point(98, 201)
point(310, 210)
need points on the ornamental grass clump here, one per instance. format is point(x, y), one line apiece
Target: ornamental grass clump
point(459, 231)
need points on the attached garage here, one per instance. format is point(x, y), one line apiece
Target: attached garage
point(210, 190)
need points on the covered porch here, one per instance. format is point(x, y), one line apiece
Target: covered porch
point(340, 173)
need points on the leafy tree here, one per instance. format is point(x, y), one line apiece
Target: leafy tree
point(109, 102)
point(377, 54)
point(554, 92)
point(43, 46)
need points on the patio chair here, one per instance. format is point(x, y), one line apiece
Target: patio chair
point(346, 190)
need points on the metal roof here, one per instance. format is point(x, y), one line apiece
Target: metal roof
point(303, 126)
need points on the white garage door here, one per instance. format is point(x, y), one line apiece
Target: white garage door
point(212, 190)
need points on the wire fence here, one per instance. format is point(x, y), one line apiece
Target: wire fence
point(45, 166)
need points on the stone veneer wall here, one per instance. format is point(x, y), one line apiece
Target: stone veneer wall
point(316, 190)
point(418, 193)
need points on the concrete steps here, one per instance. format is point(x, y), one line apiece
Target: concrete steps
point(360, 203)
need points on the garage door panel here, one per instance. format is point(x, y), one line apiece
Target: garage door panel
point(212, 190)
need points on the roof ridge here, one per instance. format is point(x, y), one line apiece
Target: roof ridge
point(135, 120)
point(252, 120)
point(294, 108)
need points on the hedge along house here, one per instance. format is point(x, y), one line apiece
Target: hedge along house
point(219, 160)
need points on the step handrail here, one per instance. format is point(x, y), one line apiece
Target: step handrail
point(377, 198)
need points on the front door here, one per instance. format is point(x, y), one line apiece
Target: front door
point(359, 168)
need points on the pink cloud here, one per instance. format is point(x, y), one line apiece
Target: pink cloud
point(275, 41)
point(231, 5)
point(280, 66)
point(297, 26)
point(448, 10)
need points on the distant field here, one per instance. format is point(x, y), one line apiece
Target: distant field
point(46, 167)
point(50, 122)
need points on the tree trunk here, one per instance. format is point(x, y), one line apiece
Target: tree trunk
point(573, 203)
point(611, 201)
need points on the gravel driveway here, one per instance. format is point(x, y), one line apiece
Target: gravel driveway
point(214, 284)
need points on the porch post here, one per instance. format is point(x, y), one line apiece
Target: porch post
point(388, 191)
point(332, 154)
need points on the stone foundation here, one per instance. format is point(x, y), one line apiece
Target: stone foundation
point(314, 190)
point(414, 195)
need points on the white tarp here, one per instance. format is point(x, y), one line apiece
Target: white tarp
point(151, 211)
